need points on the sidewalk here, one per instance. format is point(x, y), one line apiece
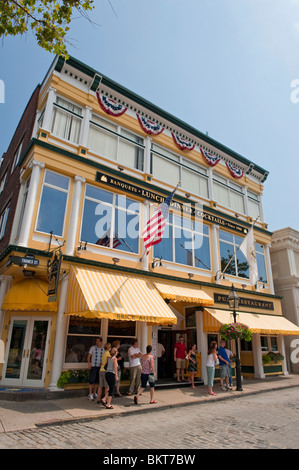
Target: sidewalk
point(16, 416)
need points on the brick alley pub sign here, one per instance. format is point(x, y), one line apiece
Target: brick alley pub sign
point(154, 197)
point(245, 302)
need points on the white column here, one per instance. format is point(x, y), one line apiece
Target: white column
point(29, 209)
point(269, 268)
point(147, 155)
point(4, 286)
point(282, 350)
point(257, 356)
point(202, 346)
point(146, 209)
point(210, 184)
point(73, 225)
point(85, 126)
point(246, 201)
point(142, 335)
point(60, 336)
point(215, 246)
point(47, 119)
point(16, 221)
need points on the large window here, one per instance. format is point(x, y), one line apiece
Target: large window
point(52, 207)
point(172, 168)
point(185, 241)
point(67, 119)
point(110, 220)
point(111, 141)
point(260, 259)
point(228, 194)
point(82, 334)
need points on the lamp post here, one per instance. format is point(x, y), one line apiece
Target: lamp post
point(233, 302)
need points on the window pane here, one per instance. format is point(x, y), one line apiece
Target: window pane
point(183, 247)
point(261, 266)
point(126, 231)
point(82, 326)
point(99, 194)
point(264, 343)
point(96, 223)
point(274, 343)
point(226, 236)
point(221, 194)
point(51, 211)
point(162, 167)
point(194, 183)
point(226, 252)
point(102, 142)
point(202, 252)
point(242, 265)
point(66, 125)
point(57, 180)
point(237, 201)
point(130, 155)
point(164, 248)
point(121, 328)
point(77, 348)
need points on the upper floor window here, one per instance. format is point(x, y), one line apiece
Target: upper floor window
point(118, 144)
point(171, 168)
point(185, 241)
point(228, 194)
point(110, 220)
point(2, 182)
point(229, 244)
point(260, 260)
point(51, 214)
point(253, 204)
point(67, 119)
point(17, 156)
point(3, 221)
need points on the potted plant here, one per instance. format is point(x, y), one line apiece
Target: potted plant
point(235, 331)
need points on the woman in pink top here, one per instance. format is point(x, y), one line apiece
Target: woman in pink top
point(147, 375)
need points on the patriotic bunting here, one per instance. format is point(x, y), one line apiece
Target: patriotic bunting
point(235, 172)
point(182, 143)
point(149, 126)
point(211, 159)
point(110, 106)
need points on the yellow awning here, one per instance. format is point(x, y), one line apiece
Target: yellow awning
point(108, 294)
point(29, 294)
point(181, 293)
point(257, 323)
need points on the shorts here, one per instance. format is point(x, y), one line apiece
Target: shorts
point(102, 379)
point(180, 363)
point(147, 378)
point(224, 371)
point(94, 375)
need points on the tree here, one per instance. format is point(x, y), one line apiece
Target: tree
point(48, 19)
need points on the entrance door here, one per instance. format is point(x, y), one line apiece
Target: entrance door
point(168, 338)
point(26, 352)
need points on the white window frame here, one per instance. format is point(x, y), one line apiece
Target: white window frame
point(77, 116)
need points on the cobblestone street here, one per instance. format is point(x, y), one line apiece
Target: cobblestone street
point(265, 421)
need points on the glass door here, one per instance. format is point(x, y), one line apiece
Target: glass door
point(26, 352)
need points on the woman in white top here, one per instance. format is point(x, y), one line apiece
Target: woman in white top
point(212, 357)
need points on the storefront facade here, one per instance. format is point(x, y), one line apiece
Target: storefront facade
point(100, 161)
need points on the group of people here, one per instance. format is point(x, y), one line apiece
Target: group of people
point(223, 357)
point(105, 371)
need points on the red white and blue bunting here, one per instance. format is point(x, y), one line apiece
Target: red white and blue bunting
point(235, 172)
point(210, 158)
point(110, 106)
point(182, 143)
point(149, 127)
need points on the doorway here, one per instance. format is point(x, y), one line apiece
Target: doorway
point(166, 364)
point(26, 352)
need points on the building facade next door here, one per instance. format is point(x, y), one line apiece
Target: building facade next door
point(26, 351)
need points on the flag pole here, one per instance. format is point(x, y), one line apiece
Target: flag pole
point(238, 247)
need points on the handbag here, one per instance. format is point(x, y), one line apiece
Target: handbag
point(151, 378)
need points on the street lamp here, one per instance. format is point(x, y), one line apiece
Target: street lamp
point(233, 302)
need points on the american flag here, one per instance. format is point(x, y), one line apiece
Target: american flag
point(105, 241)
point(154, 229)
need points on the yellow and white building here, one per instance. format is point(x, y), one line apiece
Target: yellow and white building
point(100, 160)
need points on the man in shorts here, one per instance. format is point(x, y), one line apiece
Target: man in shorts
point(94, 359)
point(224, 364)
point(180, 352)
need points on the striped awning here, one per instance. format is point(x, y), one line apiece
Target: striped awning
point(181, 293)
point(265, 324)
point(28, 295)
point(114, 295)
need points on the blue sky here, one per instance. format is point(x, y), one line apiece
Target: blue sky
point(223, 66)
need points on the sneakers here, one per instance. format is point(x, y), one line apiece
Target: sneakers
point(90, 397)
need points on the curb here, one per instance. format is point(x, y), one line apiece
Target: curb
point(137, 411)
